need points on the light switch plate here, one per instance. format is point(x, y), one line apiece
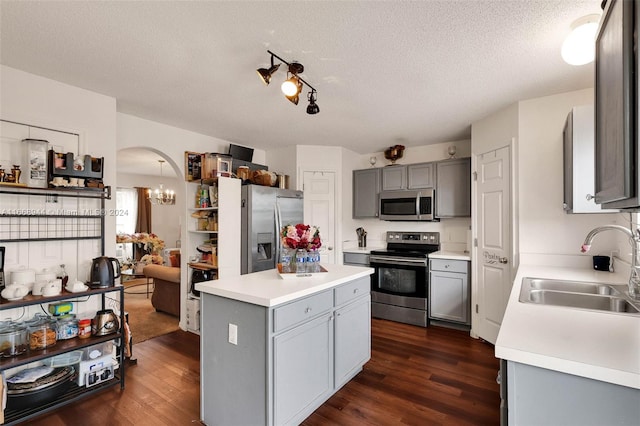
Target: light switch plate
point(233, 334)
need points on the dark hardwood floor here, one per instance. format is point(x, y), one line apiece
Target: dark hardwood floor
point(416, 376)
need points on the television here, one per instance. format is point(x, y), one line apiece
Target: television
point(238, 152)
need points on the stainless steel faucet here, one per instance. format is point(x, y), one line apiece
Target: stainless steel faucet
point(634, 239)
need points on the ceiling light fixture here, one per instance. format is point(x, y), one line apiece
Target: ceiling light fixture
point(313, 107)
point(292, 87)
point(265, 74)
point(161, 196)
point(579, 47)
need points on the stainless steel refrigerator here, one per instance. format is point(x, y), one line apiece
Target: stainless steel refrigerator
point(265, 210)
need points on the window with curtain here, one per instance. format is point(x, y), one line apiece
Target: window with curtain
point(127, 205)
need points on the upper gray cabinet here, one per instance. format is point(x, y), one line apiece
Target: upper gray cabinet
point(453, 189)
point(421, 175)
point(394, 177)
point(579, 153)
point(616, 144)
point(366, 186)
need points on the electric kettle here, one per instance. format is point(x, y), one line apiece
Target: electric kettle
point(103, 273)
point(105, 322)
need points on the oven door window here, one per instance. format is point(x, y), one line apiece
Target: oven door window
point(410, 281)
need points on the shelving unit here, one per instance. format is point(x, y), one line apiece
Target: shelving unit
point(226, 237)
point(44, 224)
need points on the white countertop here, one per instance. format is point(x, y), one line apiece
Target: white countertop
point(361, 250)
point(453, 255)
point(267, 288)
point(597, 345)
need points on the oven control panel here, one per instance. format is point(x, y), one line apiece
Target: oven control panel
point(413, 237)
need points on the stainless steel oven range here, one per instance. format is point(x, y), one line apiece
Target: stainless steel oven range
point(399, 285)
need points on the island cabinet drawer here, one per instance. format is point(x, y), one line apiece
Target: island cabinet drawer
point(448, 265)
point(353, 290)
point(356, 259)
point(302, 310)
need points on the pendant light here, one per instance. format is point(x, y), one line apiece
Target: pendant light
point(161, 196)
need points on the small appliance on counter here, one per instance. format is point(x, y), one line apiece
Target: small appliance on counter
point(105, 322)
point(103, 273)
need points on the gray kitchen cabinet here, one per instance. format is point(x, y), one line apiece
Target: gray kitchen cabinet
point(539, 396)
point(449, 291)
point(421, 175)
point(366, 186)
point(288, 359)
point(617, 178)
point(453, 188)
point(302, 369)
point(356, 259)
point(352, 339)
point(579, 162)
point(394, 177)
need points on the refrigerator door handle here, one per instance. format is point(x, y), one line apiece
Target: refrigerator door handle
point(277, 233)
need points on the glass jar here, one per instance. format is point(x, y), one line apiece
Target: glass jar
point(42, 333)
point(13, 339)
point(84, 328)
point(67, 327)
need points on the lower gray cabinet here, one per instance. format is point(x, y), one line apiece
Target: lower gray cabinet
point(302, 369)
point(288, 359)
point(449, 291)
point(538, 396)
point(352, 339)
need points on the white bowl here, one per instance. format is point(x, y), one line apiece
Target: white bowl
point(15, 292)
point(76, 288)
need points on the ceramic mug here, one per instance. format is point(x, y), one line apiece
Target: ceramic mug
point(73, 181)
point(37, 288)
point(81, 182)
point(59, 181)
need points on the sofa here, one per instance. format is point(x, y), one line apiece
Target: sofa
point(166, 287)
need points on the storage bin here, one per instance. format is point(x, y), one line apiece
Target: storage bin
point(96, 351)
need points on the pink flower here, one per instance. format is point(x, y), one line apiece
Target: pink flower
point(300, 236)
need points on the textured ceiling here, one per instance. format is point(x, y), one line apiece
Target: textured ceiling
point(410, 72)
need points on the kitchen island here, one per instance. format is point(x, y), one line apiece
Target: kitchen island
point(566, 365)
point(273, 349)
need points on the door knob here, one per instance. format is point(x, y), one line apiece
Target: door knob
point(503, 260)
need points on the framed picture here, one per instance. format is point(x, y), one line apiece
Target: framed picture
point(193, 162)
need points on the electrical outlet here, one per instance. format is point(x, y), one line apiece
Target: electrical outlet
point(233, 334)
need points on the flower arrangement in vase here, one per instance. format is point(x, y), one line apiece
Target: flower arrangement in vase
point(149, 242)
point(306, 241)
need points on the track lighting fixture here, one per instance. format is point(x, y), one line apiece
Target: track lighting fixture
point(265, 74)
point(292, 87)
point(313, 108)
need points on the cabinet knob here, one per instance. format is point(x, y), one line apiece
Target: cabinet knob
point(355, 290)
point(503, 260)
point(589, 197)
point(307, 310)
point(446, 266)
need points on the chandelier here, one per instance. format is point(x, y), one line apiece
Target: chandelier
point(161, 196)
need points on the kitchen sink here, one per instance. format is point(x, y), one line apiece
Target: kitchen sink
point(570, 286)
point(580, 295)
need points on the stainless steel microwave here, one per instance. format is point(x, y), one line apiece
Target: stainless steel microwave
point(416, 205)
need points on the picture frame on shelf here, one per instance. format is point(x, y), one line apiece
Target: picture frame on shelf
point(193, 162)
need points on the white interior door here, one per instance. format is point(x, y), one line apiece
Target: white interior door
point(494, 262)
point(319, 209)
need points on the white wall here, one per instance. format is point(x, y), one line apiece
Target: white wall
point(544, 228)
point(30, 99)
